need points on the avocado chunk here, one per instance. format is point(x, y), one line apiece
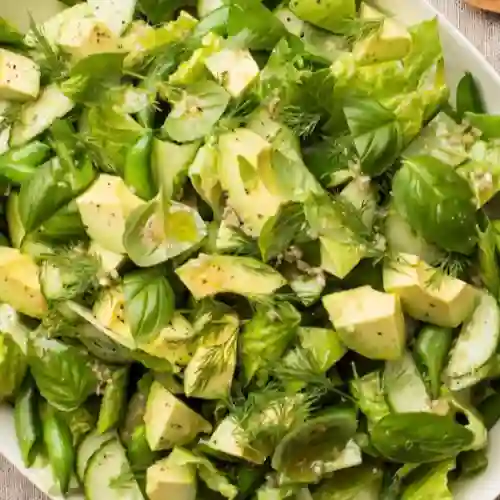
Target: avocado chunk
point(169, 421)
point(368, 322)
point(226, 441)
point(234, 69)
point(391, 41)
point(327, 14)
point(244, 155)
point(110, 261)
point(104, 208)
point(209, 275)
point(209, 374)
point(109, 311)
point(87, 36)
point(173, 342)
point(426, 293)
point(339, 258)
point(19, 77)
point(39, 115)
point(19, 285)
point(52, 27)
point(166, 479)
point(115, 14)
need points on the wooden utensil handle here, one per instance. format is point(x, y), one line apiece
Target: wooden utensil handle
point(491, 5)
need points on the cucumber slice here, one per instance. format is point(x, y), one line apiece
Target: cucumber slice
point(87, 449)
point(404, 388)
point(478, 339)
point(107, 466)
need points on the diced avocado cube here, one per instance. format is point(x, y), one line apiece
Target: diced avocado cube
point(426, 293)
point(83, 37)
point(327, 14)
point(110, 261)
point(324, 345)
point(166, 479)
point(363, 197)
point(19, 77)
point(109, 311)
point(115, 14)
point(391, 41)
point(339, 257)
point(104, 208)
point(169, 421)
point(244, 156)
point(226, 441)
point(209, 275)
point(19, 285)
point(51, 28)
point(173, 342)
point(234, 69)
point(368, 322)
point(38, 116)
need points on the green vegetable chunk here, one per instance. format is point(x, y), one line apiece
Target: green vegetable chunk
point(419, 437)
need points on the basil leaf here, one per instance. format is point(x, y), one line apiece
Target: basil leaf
point(263, 28)
point(65, 375)
point(51, 187)
point(196, 111)
point(419, 437)
point(468, 96)
point(93, 74)
point(149, 302)
point(279, 230)
point(437, 203)
point(376, 132)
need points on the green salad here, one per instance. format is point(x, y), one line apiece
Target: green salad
point(248, 250)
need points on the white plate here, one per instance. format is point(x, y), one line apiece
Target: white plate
point(460, 56)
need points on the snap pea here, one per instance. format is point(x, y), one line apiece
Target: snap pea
point(59, 445)
point(18, 164)
point(114, 401)
point(137, 171)
point(431, 348)
point(27, 422)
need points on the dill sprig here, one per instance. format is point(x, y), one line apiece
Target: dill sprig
point(451, 264)
point(303, 368)
point(301, 122)
point(69, 273)
point(355, 29)
point(52, 61)
point(265, 417)
point(216, 359)
point(10, 115)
